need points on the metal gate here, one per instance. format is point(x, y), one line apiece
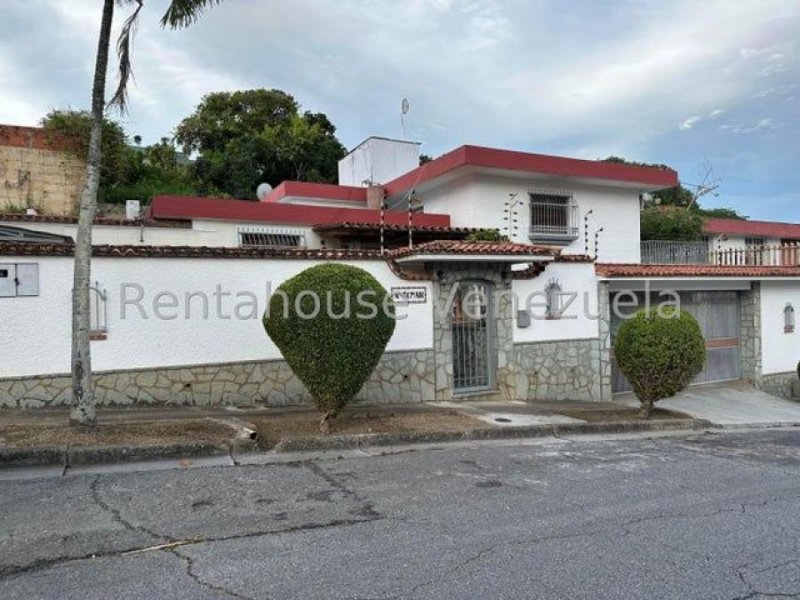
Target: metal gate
point(718, 314)
point(472, 337)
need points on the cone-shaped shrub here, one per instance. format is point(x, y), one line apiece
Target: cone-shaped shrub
point(660, 351)
point(331, 323)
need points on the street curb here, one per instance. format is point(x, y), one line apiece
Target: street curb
point(355, 441)
point(67, 457)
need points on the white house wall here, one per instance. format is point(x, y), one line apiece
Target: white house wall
point(37, 329)
point(202, 233)
point(579, 321)
point(479, 201)
point(780, 350)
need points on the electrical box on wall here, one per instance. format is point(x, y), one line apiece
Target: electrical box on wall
point(19, 279)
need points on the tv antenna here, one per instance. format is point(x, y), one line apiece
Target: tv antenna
point(405, 106)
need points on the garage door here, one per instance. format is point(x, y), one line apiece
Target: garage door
point(718, 315)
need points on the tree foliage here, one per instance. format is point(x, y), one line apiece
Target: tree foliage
point(252, 136)
point(332, 355)
point(115, 154)
point(487, 235)
point(660, 350)
point(671, 223)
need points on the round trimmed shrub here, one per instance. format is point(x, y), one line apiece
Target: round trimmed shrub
point(333, 352)
point(660, 351)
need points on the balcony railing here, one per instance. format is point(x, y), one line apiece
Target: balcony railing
point(699, 253)
point(554, 222)
point(674, 253)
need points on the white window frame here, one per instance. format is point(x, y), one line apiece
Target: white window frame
point(554, 234)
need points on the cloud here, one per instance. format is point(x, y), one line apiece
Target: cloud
point(689, 123)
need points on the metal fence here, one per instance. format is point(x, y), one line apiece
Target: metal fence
point(699, 253)
point(675, 253)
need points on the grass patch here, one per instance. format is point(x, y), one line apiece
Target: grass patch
point(271, 430)
point(143, 434)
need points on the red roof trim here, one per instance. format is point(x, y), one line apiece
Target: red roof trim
point(753, 228)
point(318, 191)
point(476, 156)
point(188, 208)
point(476, 248)
point(646, 271)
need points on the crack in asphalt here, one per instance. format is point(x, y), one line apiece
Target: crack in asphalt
point(189, 561)
point(116, 514)
point(11, 571)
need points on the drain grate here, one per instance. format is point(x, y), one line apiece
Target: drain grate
point(503, 420)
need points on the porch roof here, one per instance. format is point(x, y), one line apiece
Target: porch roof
point(461, 251)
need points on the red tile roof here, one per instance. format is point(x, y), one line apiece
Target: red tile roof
point(97, 221)
point(648, 271)
point(188, 208)
point(651, 178)
point(472, 248)
point(768, 229)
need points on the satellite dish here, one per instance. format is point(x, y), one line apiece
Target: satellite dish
point(263, 190)
point(405, 105)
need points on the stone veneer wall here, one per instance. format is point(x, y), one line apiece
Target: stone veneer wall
point(405, 376)
point(560, 370)
point(751, 334)
point(783, 385)
point(37, 170)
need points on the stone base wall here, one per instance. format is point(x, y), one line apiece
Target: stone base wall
point(562, 370)
point(400, 377)
point(783, 385)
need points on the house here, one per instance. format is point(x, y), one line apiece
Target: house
point(180, 292)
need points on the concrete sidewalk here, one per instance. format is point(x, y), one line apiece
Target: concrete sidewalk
point(730, 405)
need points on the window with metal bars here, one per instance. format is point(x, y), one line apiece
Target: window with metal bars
point(271, 238)
point(554, 217)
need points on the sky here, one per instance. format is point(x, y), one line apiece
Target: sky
point(687, 83)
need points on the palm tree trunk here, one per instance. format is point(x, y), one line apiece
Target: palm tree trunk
point(83, 404)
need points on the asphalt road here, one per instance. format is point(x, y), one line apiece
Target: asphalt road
point(704, 516)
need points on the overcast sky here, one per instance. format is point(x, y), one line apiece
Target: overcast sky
point(679, 82)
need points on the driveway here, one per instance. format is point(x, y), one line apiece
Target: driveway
point(730, 404)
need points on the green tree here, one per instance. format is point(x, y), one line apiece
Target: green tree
point(116, 156)
point(252, 136)
point(660, 350)
point(180, 13)
point(671, 223)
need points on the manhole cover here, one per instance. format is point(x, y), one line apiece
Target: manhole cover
point(503, 420)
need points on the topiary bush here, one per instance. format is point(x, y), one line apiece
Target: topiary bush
point(334, 352)
point(660, 351)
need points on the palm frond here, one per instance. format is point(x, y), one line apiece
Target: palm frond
point(182, 13)
point(124, 48)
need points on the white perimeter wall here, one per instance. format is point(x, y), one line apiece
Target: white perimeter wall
point(36, 330)
point(478, 201)
point(580, 318)
point(780, 351)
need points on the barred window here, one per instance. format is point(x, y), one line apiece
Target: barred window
point(554, 217)
point(267, 237)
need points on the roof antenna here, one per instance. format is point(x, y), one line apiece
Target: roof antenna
point(405, 106)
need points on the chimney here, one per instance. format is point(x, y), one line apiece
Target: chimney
point(375, 196)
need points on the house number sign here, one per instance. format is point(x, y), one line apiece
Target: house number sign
point(410, 294)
